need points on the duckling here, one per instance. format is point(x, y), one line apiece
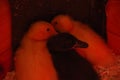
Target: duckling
point(68, 63)
point(33, 60)
point(98, 53)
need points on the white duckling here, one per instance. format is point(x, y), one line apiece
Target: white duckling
point(98, 52)
point(33, 60)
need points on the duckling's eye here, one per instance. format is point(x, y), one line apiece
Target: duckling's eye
point(48, 29)
point(55, 23)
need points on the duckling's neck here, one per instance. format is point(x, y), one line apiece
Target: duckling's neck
point(98, 51)
point(27, 43)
